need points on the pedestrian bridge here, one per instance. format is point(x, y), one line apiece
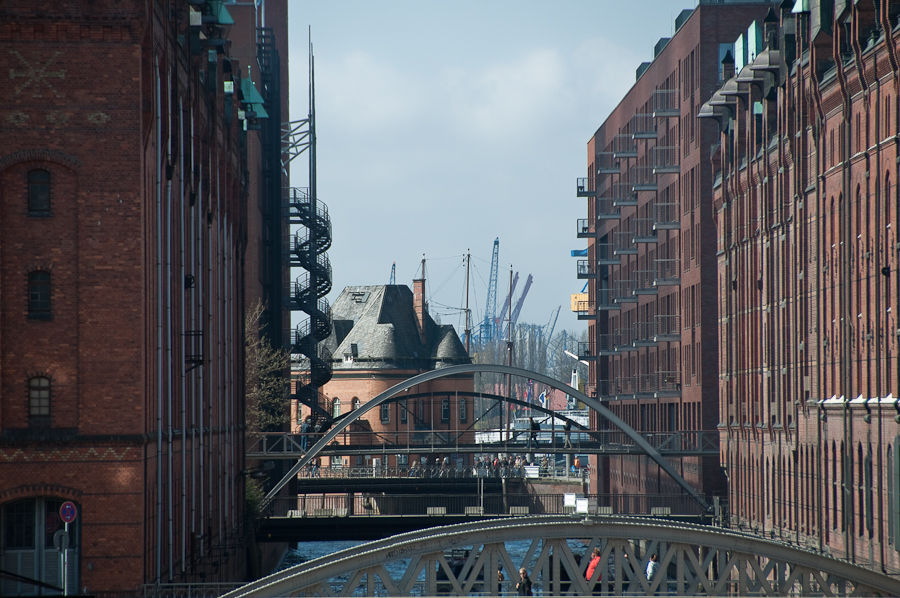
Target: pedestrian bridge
point(464, 559)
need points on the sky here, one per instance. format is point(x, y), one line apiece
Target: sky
point(444, 125)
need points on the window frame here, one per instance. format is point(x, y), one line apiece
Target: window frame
point(40, 399)
point(404, 413)
point(385, 413)
point(335, 407)
point(40, 307)
point(38, 206)
point(445, 410)
point(463, 411)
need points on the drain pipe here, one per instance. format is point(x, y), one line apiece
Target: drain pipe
point(159, 318)
point(182, 374)
point(170, 390)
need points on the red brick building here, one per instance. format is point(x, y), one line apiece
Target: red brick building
point(129, 214)
point(806, 215)
point(651, 306)
point(381, 336)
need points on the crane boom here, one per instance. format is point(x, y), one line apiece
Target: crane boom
point(512, 288)
point(490, 309)
point(518, 308)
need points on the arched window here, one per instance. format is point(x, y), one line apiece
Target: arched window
point(38, 294)
point(445, 410)
point(38, 192)
point(26, 539)
point(355, 403)
point(335, 407)
point(463, 415)
point(385, 413)
point(39, 402)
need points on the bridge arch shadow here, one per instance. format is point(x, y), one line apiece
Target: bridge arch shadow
point(464, 559)
point(385, 396)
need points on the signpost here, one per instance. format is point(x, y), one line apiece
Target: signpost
point(67, 512)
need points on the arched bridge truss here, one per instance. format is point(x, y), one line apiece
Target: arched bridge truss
point(464, 559)
point(590, 402)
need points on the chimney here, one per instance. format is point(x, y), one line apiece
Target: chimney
point(419, 307)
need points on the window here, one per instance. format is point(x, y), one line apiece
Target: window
point(26, 539)
point(445, 411)
point(335, 407)
point(38, 294)
point(403, 411)
point(38, 193)
point(403, 460)
point(421, 411)
point(385, 413)
point(39, 402)
point(463, 417)
point(355, 403)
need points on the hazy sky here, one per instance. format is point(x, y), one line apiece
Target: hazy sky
point(444, 125)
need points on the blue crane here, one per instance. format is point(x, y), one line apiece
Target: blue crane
point(490, 309)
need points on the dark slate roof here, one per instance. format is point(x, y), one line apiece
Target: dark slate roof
point(381, 322)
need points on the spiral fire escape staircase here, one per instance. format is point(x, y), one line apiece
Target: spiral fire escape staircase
point(306, 248)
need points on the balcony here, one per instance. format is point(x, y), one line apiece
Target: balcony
point(607, 209)
point(644, 231)
point(666, 216)
point(643, 126)
point(643, 334)
point(606, 345)
point(623, 342)
point(668, 272)
point(665, 159)
point(583, 228)
point(645, 386)
point(586, 270)
point(668, 329)
point(665, 103)
point(668, 385)
point(585, 186)
point(606, 255)
point(585, 353)
point(606, 301)
point(644, 282)
point(623, 243)
point(623, 388)
point(623, 194)
point(623, 291)
point(606, 163)
point(583, 310)
point(644, 178)
point(624, 146)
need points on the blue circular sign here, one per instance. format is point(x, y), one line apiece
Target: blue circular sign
point(68, 511)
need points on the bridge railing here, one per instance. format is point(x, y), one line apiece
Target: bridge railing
point(439, 472)
point(282, 444)
point(405, 505)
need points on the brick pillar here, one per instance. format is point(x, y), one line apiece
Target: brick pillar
point(419, 307)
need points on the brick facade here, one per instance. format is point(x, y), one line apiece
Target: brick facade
point(806, 215)
point(123, 230)
point(651, 317)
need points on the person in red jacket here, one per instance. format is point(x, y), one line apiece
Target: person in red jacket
point(595, 560)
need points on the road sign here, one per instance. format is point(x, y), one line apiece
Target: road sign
point(68, 511)
point(61, 540)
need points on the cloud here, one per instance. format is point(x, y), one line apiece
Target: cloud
point(502, 101)
point(369, 94)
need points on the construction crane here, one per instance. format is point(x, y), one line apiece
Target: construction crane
point(393, 273)
point(551, 325)
point(518, 307)
point(490, 309)
point(512, 289)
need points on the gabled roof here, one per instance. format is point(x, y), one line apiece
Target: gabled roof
point(374, 327)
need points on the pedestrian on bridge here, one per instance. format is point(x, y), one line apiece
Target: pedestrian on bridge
point(534, 428)
point(524, 585)
point(568, 429)
point(304, 434)
point(652, 567)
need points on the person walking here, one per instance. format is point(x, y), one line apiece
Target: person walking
point(652, 567)
point(534, 428)
point(568, 430)
point(524, 586)
point(592, 566)
point(304, 435)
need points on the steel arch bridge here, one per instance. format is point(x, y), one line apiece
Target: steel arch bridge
point(463, 559)
point(385, 396)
